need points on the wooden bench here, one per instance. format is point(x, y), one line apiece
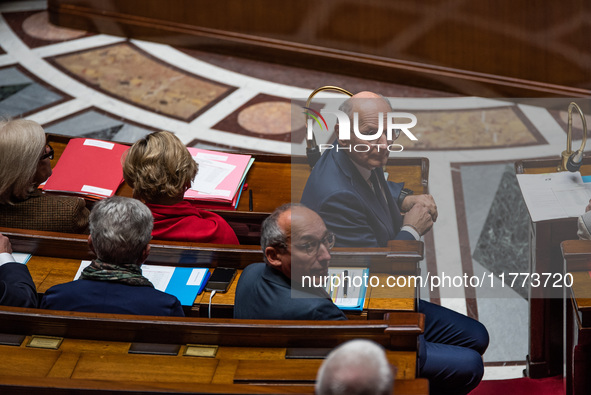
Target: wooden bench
point(52, 386)
point(57, 256)
point(95, 347)
point(288, 174)
point(249, 351)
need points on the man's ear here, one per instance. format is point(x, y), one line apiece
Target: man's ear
point(145, 254)
point(272, 255)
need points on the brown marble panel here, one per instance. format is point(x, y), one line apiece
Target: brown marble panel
point(34, 29)
point(266, 117)
point(577, 124)
point(130, 74)
point(471, 129)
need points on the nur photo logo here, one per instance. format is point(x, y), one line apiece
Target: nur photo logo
point(392, 128)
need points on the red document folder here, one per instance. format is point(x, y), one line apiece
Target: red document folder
point(88, 167)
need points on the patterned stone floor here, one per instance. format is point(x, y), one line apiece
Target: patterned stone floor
point(107, 87)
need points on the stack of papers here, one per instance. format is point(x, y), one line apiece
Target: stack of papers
point(347, 287)
point(183, 282)
point(220, 179)
point(88, 167)
point(554, 195)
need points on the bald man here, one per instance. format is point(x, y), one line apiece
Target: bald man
point(347, 187)
point(296, 245)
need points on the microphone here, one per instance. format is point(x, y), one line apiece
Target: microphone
point(574, 162)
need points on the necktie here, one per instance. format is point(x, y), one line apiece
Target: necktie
point(378, 190)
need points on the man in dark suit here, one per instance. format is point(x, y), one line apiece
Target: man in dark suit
point(347, 188)
point(296, 247)
point(16, 285)
point(120, 233)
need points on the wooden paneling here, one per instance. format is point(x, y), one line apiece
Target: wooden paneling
point(484, 48)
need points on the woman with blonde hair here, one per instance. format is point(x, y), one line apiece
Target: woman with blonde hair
point(160, 169)
point(25, 162)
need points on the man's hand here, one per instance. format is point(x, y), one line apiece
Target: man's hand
point(588, 206)
point(5, 245)
point(426, 200)
point(419, 217)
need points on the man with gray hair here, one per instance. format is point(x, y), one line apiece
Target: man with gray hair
point(296, 246)
point(358, 367)
point(120, 233)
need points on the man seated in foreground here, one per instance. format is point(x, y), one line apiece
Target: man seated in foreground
point(358, 367)
point(120, 230)
point(16, 285)
point(295, 244)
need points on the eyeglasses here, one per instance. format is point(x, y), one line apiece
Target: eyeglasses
point(312, 247)
point(47, 154)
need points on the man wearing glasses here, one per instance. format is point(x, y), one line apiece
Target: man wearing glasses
point(296, 246)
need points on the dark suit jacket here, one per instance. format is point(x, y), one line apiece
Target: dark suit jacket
point(46, 212)
point(110, 297)
point(349, 207)
point(265, 293)
point(16, 286)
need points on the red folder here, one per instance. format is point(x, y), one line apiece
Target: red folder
point(88, 167)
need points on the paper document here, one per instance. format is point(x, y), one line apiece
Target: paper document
point(158, 275)
point(554, 195)
point(346, 287)
point(219, 176)
point(21, 257)
point(183, 282)
point(211, 173)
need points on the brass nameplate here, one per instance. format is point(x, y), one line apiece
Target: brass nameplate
point(45, 342)
point(201, 350)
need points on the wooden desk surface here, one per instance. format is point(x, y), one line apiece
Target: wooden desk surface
point(49, 271)
point(539, 166)
point(577, 261)
point(581, 291)
point(99, 360)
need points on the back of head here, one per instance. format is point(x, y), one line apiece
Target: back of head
point(22, 142)
point(159, 166)
point(120, 229)
point(358, 367)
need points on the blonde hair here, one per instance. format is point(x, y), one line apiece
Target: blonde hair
point(22, 142)
point(159, 165)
